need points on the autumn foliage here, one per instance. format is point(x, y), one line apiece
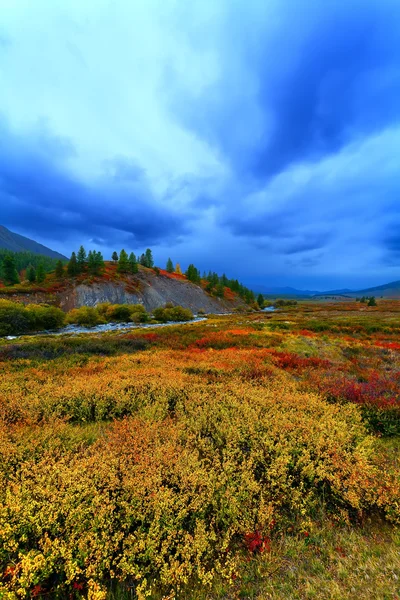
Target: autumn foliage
point(165, 459)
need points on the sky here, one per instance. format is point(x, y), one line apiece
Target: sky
point(260, 139)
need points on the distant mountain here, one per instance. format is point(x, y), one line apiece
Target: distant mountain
point(387, 290)
point(284, 291)
point(341, 292)
point(19, 243)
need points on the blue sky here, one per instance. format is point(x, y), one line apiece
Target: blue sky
point(257, 138)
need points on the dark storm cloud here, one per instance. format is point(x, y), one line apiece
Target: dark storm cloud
point(40, 194)
point(298, 79)
point(340, 79)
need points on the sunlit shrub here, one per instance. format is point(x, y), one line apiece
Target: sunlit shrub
point(86, 316)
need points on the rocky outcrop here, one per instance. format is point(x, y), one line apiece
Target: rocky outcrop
point(147, 288)
point(151, 290)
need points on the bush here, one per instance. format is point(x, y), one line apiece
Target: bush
point(118, 312)
point(46, 317)
point(16, 319)
point(175, 313)
point(85, 316)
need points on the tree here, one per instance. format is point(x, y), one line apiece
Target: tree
point(31, 274)
point(372, 301)
point(143, 260)
point(219, 290)
point(170, 266)
point(260, 300)
point(40, 273)
point(72, 267)
point(193, 274)
point(59, 270)
point(133, 266)
point(149, 258)
point(98, 262)
point(178, 269)
point(9, 270)
point(81, 259)
point(115, 256)
point(123, 262)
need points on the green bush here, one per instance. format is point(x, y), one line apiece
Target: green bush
point(46, 317)
point(16, 319)
point(86, 316)
point(118, 312)
point(175, 313)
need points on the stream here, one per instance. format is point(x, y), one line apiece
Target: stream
point(77, 329)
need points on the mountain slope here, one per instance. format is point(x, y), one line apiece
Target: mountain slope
point(19, 243)
point(387, 290)
point(147, 287)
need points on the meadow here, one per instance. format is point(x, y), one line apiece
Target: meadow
point(246, 456)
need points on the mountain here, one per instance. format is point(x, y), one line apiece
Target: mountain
point(19, 243)
point(341, 292)
point(284, 291)
point(387, 290)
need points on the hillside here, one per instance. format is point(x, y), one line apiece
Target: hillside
point(19, 243)
point(147, 287)
point(387, 290)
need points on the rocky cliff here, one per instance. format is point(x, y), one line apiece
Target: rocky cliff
point(147, 288)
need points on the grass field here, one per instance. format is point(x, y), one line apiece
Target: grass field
point(246, 456)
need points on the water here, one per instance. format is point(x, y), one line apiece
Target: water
point(269, 309)
point(78, 329)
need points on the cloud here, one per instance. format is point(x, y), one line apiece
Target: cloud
point(213, 129)
point(39, 192)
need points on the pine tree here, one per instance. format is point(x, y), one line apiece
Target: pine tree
point(9, 270)
point(149, 258)
point(260, 300)
point(170, 266)
point(40, 273)
point(98, 262)
point(123, 262)
point(91, 262)
point(143, 260)
point(31, 274)
point(178, 269)
point(133, 266)
point(72, 266)
point(193, 274)
point(115, 256)
point(59, 270)
point(81, 259)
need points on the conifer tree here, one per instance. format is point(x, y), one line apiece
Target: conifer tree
point(178, 269)
point(170, 266)
point(31, 274)
point(133, 266)
point(91, 262)
point(99, 262)
point(193, 274)
point(260, 300)
point(72, 266)
point(40, 273)
point(9, 270)
point(115, 256)
point(81, 259)
point(143, 260)
point(59, 270)
point(123, 262)
point(149, 258)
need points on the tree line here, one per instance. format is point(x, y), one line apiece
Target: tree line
point(92, 263)
point(12, 264)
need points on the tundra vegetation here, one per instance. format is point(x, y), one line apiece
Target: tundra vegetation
point(245, 456)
